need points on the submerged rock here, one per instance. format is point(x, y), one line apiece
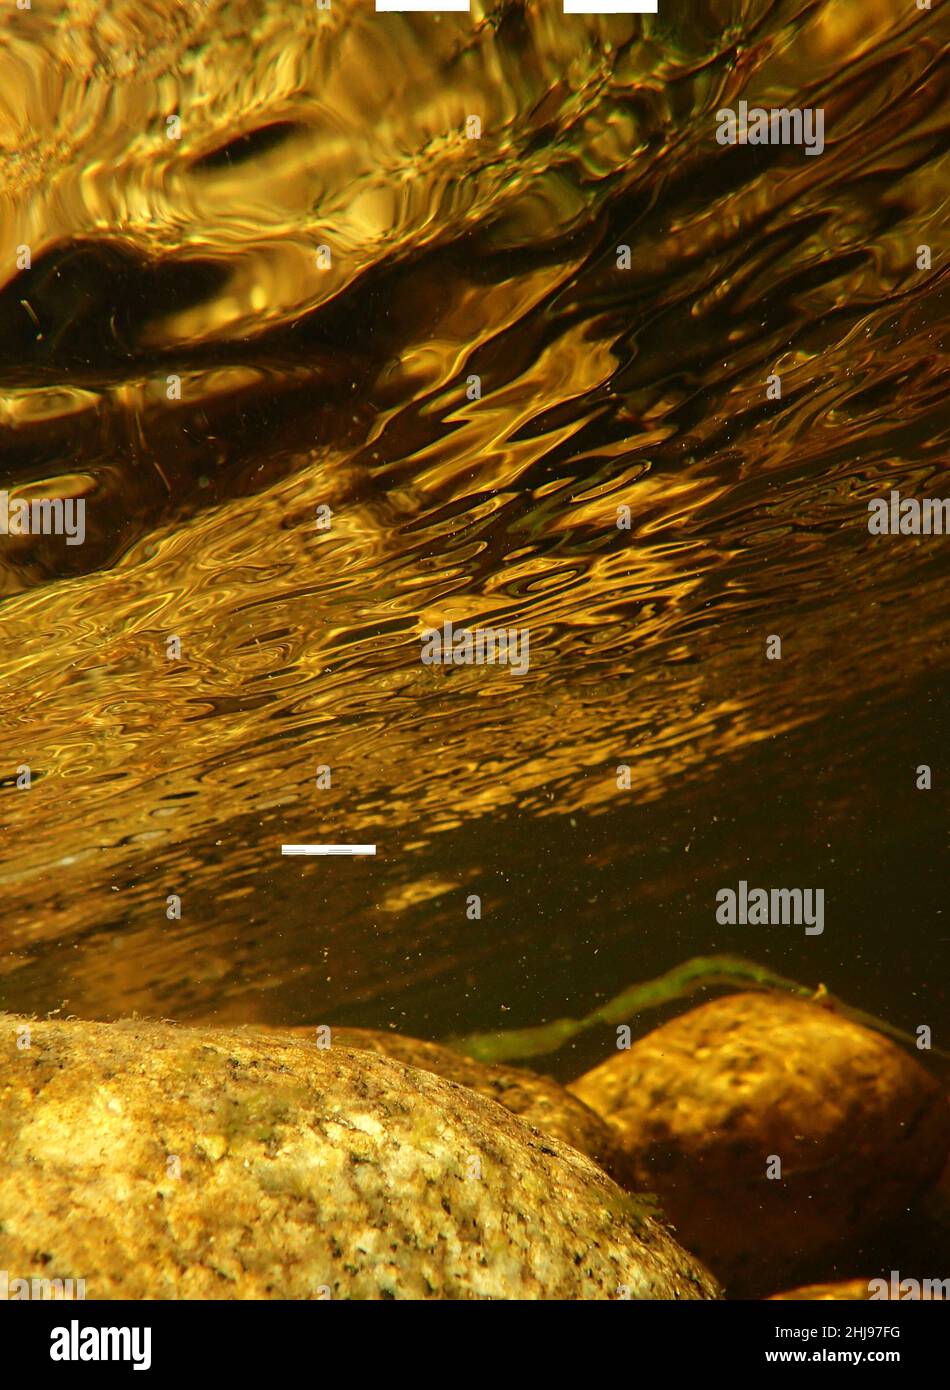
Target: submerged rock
point(157, 1161)
point(878, 1287)
point(845, 1290)
point(710, 1104)
point(539, 1100)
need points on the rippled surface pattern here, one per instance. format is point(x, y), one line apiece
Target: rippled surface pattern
point(346, 386)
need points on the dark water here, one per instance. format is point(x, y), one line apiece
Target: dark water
point(346, 387)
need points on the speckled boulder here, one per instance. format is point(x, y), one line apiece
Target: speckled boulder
point(707, 1103)
point(157, 1161)
point(539, 1100)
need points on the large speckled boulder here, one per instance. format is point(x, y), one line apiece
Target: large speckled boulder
point(707, 1104)
point(539, 1100)
point(157, 1161)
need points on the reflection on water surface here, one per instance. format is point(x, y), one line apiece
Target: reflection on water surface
point(350, 388)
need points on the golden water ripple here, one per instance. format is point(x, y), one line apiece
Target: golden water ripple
point(346, 387)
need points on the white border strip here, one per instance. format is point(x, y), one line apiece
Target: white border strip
point(328, 849)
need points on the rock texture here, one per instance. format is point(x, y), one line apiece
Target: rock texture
point(539, 1100)
point(157, 1161)
point(706, 1103)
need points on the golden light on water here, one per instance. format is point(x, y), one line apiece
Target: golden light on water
point(348, 387)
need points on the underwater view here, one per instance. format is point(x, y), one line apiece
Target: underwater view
point(474, 525)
